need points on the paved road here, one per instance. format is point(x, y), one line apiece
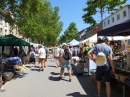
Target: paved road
point(47, 84)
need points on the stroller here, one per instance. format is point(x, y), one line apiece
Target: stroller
point(77, 68)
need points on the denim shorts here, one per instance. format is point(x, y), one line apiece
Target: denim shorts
point(66, 64)
point(103, 71)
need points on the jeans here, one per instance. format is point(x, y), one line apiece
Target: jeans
point(67, 64)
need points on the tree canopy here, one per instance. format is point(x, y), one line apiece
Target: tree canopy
point(70, 33)
point(99, 6)
point(35, 19)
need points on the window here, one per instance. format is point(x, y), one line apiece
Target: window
point(108, 22)
point(118, 17)
point(112, 19)
point(124, 13)
point(104, 23)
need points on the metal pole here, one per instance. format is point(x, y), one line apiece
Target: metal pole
point(123, 90)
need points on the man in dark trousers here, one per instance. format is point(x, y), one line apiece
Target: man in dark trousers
point(105, 69)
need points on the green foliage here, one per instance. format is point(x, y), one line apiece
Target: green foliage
point(69, 34)
point(101, 6)
point(35, 19)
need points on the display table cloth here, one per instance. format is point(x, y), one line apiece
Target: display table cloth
point(12, 60)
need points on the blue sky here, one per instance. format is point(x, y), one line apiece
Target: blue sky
point(71, 11)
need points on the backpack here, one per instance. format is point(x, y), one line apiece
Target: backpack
point(67, 55)
point(32, 55)
point(100, 59)
point(56, 52)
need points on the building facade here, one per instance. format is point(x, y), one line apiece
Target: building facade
point(117, 17)
point(5, 28)
point(97, 28)
point(89, 32)
point(82, 34)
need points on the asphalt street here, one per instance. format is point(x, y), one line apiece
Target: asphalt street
point(47, 84)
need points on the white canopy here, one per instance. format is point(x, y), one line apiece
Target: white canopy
point(74, 42)
point(94, 38)
point(34, 44)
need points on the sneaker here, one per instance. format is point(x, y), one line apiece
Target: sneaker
point(42, 69)
point(60, 78)
point(1, 88)
point(69, 80)
point(97, 95)
point(39, 69)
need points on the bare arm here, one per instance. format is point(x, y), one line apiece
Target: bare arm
point(60, 57)
point(90, 54)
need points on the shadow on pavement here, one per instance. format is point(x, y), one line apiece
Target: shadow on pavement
point(3, 90)
point(76, 94)
point(19, 76)
point(34, 69)
point(28, 66)
point(53, 73)
point(90, 87)
point(54, 78)
point(51, 66)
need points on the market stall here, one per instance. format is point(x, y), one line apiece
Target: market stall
point(11, 64)
point(121, 54)
point(74, 43)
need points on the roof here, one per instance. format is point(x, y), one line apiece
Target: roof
point(122, 29)
point(82, 31)
point(128, 5)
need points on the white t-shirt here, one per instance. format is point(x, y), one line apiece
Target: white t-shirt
point(42, 53)
point(56, 52)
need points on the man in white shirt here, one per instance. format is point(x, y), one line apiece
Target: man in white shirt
point(42, 57)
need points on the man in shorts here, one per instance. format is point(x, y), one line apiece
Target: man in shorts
point(56, 55)
point(106, 69)
point(42, 57)
point(65, 62)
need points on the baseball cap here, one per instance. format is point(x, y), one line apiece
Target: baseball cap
point(104, 38)
point(64, 44)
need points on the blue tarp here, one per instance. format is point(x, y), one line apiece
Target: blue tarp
point(74, 42)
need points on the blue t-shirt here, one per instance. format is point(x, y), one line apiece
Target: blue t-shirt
point(103, 48)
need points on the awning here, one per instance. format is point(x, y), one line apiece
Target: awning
point(11, 40)
point(122, 29)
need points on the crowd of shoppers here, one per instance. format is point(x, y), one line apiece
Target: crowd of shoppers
point(64, 56)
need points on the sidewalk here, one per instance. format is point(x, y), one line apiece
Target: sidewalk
point(47, 84)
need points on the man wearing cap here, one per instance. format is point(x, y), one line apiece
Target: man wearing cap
point(65, 62)
point(106, 68)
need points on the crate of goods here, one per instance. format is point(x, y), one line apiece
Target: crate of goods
point(128, 81)
point(7, 76)
point(123, 77)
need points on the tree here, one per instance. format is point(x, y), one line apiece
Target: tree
point(40, 22)
point(101, 6)
point(69, 34)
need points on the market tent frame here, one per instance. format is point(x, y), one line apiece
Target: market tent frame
point(11, 40)
point(74, 43)
point(122, 29)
